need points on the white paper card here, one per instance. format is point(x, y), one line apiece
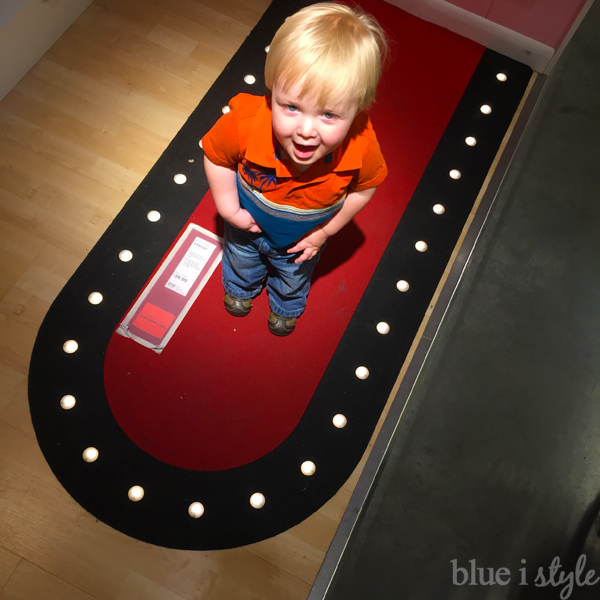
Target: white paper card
point(191, 266)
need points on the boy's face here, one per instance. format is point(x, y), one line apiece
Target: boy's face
point(307, 132)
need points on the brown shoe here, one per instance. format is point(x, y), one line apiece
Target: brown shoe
point(281, 325)
point(236, 306)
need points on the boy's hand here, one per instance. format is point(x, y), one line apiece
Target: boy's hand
point(309, 245)
point(243, 220)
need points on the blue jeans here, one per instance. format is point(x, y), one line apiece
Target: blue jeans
point(245, 268)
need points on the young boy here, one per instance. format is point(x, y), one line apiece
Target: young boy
point(289, 170)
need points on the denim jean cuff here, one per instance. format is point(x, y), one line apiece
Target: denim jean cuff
point(240, 295)
point(288, 314)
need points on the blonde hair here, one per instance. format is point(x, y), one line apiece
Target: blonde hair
point(334, 51)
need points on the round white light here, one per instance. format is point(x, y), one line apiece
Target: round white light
point(225, 110)
point(135, 493)
point(308, 468)
point(439, 209)
point(250, 79)
point(95, 298)
point(362, 372)
point(383, 328)
point(486, 109)
point(257, 500)
point(470, 141)
point(125, 255)
point(403, 285)
point(67, 402)
point(340, 421)
point(90, 454)
point(70, 346)
point(200, 143)
point(455, 174)
point(421, 246)
point(267, 48)
point(153, 216)
point(196, 510)
point(180, 179)
point(501, 77)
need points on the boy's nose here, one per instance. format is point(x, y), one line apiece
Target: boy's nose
point(306, 128)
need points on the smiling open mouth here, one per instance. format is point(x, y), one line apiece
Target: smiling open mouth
point(304, 151)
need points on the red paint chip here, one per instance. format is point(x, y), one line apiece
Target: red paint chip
point(154, 320)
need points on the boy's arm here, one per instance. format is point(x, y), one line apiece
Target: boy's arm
point(223, 185)
point(310, 244)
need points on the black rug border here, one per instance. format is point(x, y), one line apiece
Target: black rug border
point(161, 518)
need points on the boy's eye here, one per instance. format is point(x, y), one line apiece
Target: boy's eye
point(329, 116)
point(292, 108)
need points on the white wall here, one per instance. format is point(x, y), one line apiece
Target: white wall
point(26, 35)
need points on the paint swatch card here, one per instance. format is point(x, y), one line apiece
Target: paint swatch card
point(169, 295)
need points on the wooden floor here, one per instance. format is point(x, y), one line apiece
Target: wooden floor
point(77, 135)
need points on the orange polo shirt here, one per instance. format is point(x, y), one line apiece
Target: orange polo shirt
point(244, 136)
point(285, 203)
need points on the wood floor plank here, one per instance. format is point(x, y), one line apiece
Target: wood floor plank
point(44, 142)
point(104, 90)
point(24, 308)
point(39, 284)
point(107, 564)
point(138, 586)
point(48, 140)
point(48, 273)
point(145, 36)
point(18, 249)
point(12, 381)
point(16, 343)
point(18, 157)
point(220, 18)
point(29, 582)
point(71, 222)
point(20, 452)
point(206, 62)
point(89, 125)
point(241, 12)
point(77, 235)
point(158, 35)
point(15, 210)
point(36, 514)
point(172, 40)
point(298, 557)
point(69, 142)
point(16, 413)
point(8, 564)
point(122, 69)
point(14, 409)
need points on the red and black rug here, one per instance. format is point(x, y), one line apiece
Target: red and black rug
point(228, 410)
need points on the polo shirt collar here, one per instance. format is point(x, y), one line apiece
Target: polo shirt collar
point(348, 157)
point(262, 144)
